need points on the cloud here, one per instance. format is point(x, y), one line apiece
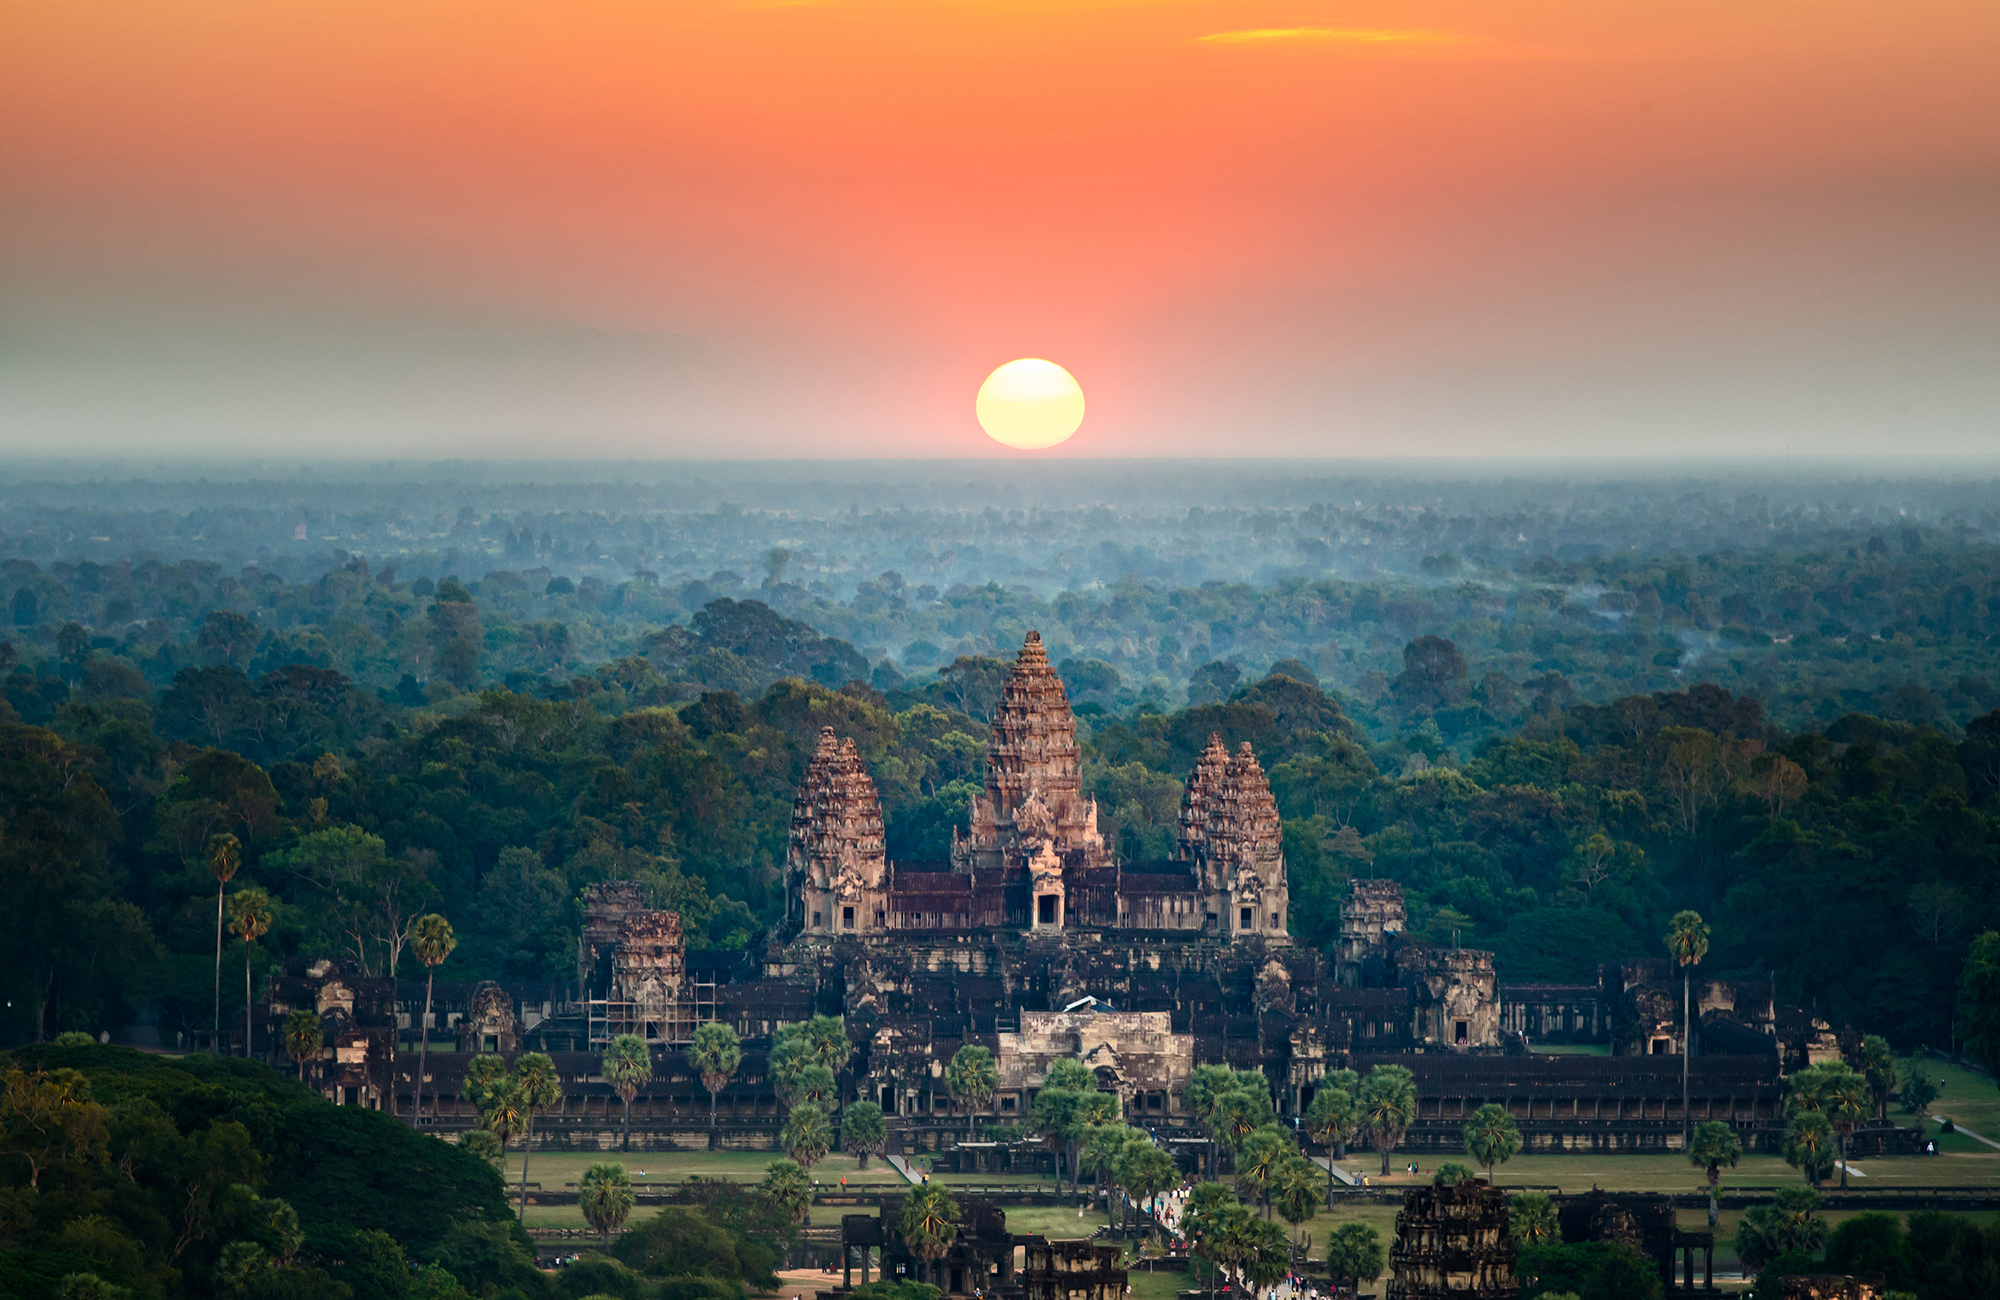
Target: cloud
point(1336, 36)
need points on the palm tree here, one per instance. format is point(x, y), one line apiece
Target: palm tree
point(862, 1131)
point(250, 920)
point(1878, 1066)
point(225, 854)
point(973, 1079)
point(1330, 1119)
point(789, 1191)
point(1204, 1092)
point(1809, 1145)
point(1264, 1253)
point(1845, 1101)
point(431, 940)
point(1144, 1171)
point(540, 1087)
point(482, 1072)
point(1238, 1115)
point(812, 1085)
point(503, 1112)
point(1295, 1193)
point(1687, 944)
point(1531, 1220)
point(1257, 1161)
point(1102, 1145)
point(929, 1222)
point(715, 1053)
point(1215, 1221)
point(807, 1135)
point(627, 1065)
point(1491, 1137)
point(1388, 1105)
point(1354, 1252)
point(605, 1194)
point(827, 1036)
point(1714, 1149)
point(303, 1038)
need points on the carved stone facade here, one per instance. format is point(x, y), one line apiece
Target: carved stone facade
point(835, 861)
point(490, 1024)
point(1451, 1242)
point(1032, 860)
point(1135, 1054)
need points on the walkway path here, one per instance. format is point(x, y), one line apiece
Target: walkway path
point(902, 1167)
point(1957, 1127)
point(1339, 1174)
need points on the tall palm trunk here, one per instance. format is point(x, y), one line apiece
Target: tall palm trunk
point(246, 1000)
point(626, 1144)
point(1687, 1051)
point(424, 1048)
point(527, 1145)
point(215, 1046)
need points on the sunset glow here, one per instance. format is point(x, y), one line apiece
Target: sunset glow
point(722, 228)
point(1030, 404)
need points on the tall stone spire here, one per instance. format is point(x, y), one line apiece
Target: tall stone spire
point(835, 864)
point(1245, 839)
point(1034, 748)
point(1203, 786)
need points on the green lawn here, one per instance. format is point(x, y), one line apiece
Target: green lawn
point(1964, 1097)
point(1976, 1166)
point(557, 1169)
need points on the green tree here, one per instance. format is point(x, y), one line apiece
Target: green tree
point(1332, 1119)
point(929, 1222)
point(431, 941)
point(484, 1145)
point(303, 1038)
point(972, 1078)
point(714, 1054)
point(1295, 1193)
point(1624, 1274)
point(1203, 1095)
point(1716, 1147)
point(1451, 1174)
point(807, 1135)
point(1531, 1220)
point(628, 1067)
point(605, 1193)
point(1491, 1137)
point(1917, 1090)
point(250, 919)
point(1102, 1146)
point(1237, 1115)
point(788, 1190)
point(1258, 1158)
point(1145, 1171)
point(1833, 1090)
point(482, 1072)
point(1354, 1254)
point(1388, 1105)
point(1263, 1254)
point(1687, 944)
point(503, 1112)
point(1810, 1145)
point(862, 1130)
point(827, 1037)
point(1788, 1225)
point(539, 1087)
point(225, 855)
point(1207, 1220)
point(1068, 1104)
point(1878, 1066)
point(1979, 1001)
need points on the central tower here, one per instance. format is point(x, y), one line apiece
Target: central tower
point(1033, 817)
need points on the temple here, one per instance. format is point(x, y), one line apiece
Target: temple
point(1037, 940)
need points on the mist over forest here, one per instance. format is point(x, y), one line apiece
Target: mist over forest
point(1557, 708)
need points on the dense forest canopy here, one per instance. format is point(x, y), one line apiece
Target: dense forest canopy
point(1552, 751)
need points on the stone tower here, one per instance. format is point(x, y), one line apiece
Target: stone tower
point(1451, 1244)
point(1033, 820)
point(1203, 786)
point(1242, 858)
point(835, 867)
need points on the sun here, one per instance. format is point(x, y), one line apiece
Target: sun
point(1030, 404)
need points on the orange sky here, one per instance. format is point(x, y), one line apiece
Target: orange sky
point(812, 228)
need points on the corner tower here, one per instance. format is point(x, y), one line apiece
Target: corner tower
point(836, 869)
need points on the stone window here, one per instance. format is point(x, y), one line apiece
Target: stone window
point(879, 919)
point(1662, 1046)
point(1243, 921)
point(1046, 905)
point(815, 919)
point(1006, 1103)
point(1459, 1032)
point(847, 918)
